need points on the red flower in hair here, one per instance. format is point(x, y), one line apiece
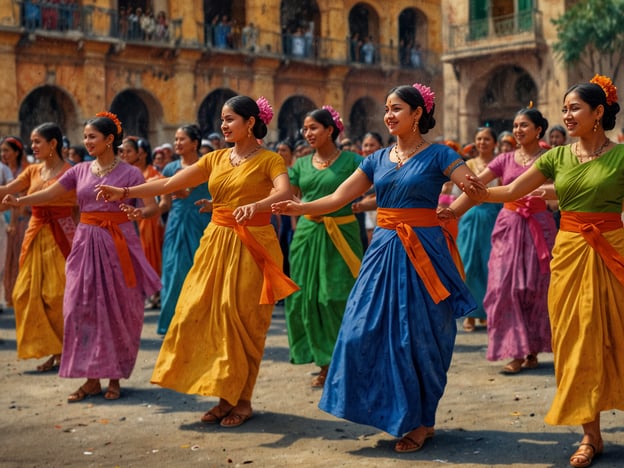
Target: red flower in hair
point(113, 117)
point(266, 111)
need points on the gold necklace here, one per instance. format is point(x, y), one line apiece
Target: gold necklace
point(526, 159)
point(410, 153)
point(325, 163)
point(590, 156)
point(237, 160)
point(100, 171)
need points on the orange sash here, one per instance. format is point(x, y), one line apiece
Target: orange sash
point(110, 220)
point(591, 226)
point(276, 285)
point(527, 207)
point(402, 220)
point(42, 215)
point(335, 234)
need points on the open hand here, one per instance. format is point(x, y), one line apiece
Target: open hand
point(205, 205)
point(474, 188)
point(108, 193)
point(244, 213)
point(287, 207)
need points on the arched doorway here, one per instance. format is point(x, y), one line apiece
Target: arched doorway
point(209, 114)
point(364, 34)
point(140, 114)
point(366, 116)
point(508, 89)
point(413, 36)
point(49, 104)
point(291, 116)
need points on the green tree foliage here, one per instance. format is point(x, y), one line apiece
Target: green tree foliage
point(591, 34)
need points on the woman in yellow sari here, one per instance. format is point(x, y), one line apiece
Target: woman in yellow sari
point(40, 285)
point(586, 295)
point(216, 339)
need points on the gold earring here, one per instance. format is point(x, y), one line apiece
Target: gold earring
point(415, 126)
point(249, 134)
point(108, 145)
point(596, 125)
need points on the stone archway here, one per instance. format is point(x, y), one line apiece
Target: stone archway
point(140, 114)
point(366, 115)
point(291, 116)
point(49, 104)
point(508, 89)
point(209, 114)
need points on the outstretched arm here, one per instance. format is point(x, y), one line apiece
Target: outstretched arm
point(523, 185)
point(349, 190)
point(192, 176)
point(43, 196)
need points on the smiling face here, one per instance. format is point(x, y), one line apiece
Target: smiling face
point(578, 116)
point(315, 133)
point(233, 126)
point(8, 154)
point(183, 143)
point(399, 116)
point(524, 130)
point(41, 148)
point(129, 153)
point(95, 141)
point(370, 145)
point(485, 142)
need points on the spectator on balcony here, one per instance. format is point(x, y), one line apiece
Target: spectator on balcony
point(162, 26)
point(148, 25)
point(308, 36)
point(66, 13)
point(134, 26)
point(250, 37)
point(297, 43)
point(32, 14)
point(367, 51)
point(416, 56)
point(222, 32)
point(49, 14)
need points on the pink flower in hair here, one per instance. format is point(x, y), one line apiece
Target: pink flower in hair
point(266, 111)
point(427, 95)
point(335, 117)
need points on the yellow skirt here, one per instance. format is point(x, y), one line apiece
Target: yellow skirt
point(215, 342)
point(38, 299)
point(586, 306)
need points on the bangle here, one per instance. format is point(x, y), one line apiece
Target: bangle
point(17, 200)
point(126, 192)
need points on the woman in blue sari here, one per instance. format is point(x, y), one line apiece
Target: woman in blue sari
point(396, 341)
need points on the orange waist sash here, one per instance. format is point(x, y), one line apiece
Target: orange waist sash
point(527, 207)
point(591, 226)
point(42, 215)
point(276, 285)
point(110, 220)
point(402, 220)
point(335, 234)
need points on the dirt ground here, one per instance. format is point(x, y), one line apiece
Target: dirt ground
point(485, 419)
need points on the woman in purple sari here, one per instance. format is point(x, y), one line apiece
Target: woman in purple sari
point(108, 276)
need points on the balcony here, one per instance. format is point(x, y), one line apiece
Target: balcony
point(494, 35)
point(74, 22)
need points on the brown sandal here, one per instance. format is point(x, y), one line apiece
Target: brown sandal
point(215, 414)
point(586, 452)
point(51, 364)
point(412, 445)
point(319, 380)
point(83, 393)
point(236, 419)
point(530, 362)
point(513, 367)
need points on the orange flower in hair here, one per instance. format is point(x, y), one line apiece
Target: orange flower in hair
point(607, 86)
point(113, 117)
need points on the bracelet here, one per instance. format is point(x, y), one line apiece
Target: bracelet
point(126, 192)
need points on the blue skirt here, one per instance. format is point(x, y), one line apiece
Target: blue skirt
point(395, 344)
